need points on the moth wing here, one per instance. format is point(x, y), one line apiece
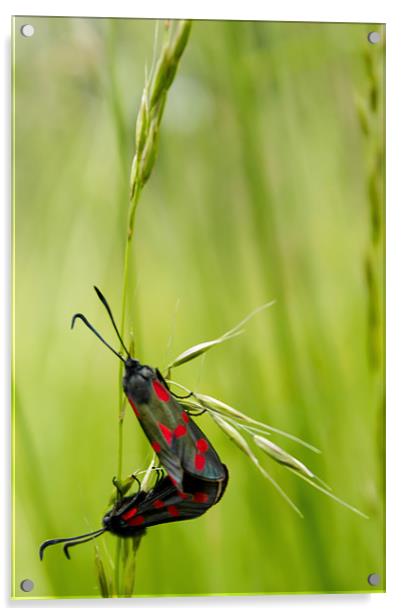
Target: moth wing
point(179, 443)
point(199, 456)
point(159, 435)
point(182, 439)
point(165, 503)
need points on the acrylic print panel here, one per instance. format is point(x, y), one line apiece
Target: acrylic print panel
point(222, 184)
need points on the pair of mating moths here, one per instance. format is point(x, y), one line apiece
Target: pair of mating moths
point(195, 476)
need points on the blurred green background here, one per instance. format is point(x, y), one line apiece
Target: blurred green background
point(261, 191)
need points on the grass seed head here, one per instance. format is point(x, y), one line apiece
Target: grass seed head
point(280, 455)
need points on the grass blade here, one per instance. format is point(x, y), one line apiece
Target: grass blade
point(202, 347)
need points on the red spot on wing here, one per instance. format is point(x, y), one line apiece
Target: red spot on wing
point(158, 504)
point(134, 407)
point(180, 430)
point(130, 513)
point(139, 519)
point(200, 497)
point(202, 445)
point(182, 495)
point(172, 510)
point(155, 446)
point(167, 433)
point(186, 418)
point(160, 391)
point(199, 461)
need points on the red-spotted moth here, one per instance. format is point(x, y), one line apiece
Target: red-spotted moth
point(196, 478)
point(177, 440)
point(164, 503)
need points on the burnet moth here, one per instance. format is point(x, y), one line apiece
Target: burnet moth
point(164, 503)
point(177, 440)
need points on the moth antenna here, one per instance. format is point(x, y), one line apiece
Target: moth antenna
point(91, 327)
point(109, 311)
point(46, 544)
point(71, 544)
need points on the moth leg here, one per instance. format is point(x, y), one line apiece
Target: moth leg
point(160, 377)
point(159, 474)
point(183, 397)
point(137, 481)
point(193, 414)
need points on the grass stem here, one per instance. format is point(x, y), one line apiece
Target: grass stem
point(147, 132)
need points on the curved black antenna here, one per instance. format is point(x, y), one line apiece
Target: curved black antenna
point(108, 309)
point(87, 323)
point(71, 544)
point(46, 544)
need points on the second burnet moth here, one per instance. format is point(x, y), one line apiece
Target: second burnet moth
point(180, 444)
point(164, 503)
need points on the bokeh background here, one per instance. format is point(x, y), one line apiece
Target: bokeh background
point(265, 187)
